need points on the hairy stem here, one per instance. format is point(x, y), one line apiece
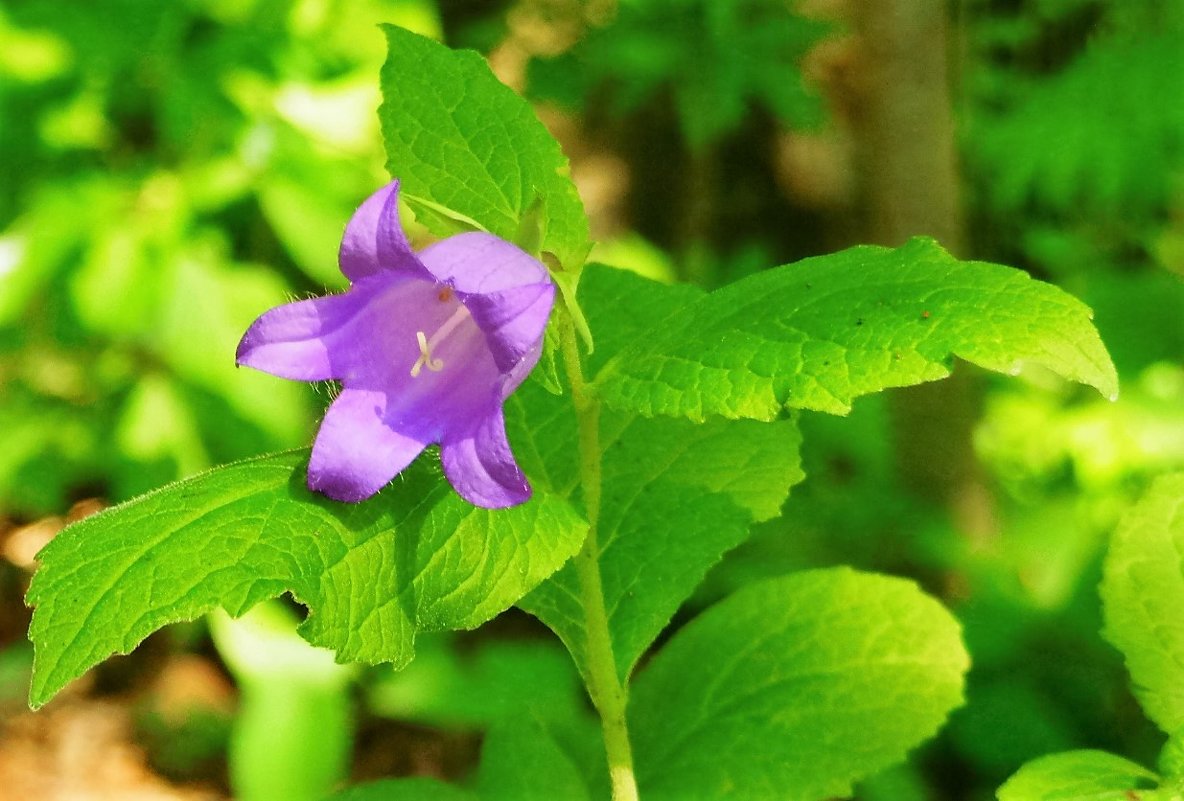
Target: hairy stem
point(606, 689)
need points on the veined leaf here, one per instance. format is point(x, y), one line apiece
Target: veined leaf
point(819, 333)
point(413, 558)
point(1142, 595)
point(795, 688)
point(676, 496)
point(458, 138)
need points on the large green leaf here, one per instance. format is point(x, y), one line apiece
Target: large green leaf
point(663, 525)
point(415, 557)
point(1082, 776)
point(1142, 598)
point(676, 496)
point(819, 333)
point(467, 148)
point(795, 688)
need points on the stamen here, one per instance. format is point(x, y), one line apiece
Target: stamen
point(425, 345)
point(425, 357)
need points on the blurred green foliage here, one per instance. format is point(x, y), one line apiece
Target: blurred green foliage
point(716, 61)
point(171, 169)
point(1075, 140)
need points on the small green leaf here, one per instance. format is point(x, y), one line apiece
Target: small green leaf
point(414, 558)
point(817, 334)
point(520, 761)
point(460, 139)
point(1142, 595)
point(547, 370)
point(795, 688)
point(1082, 776)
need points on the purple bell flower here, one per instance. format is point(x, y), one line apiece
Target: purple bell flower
point(427, 348)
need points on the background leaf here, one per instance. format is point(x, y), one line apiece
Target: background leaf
point(1079, 775)
point(819, 333)
point(459, 138)
point(713, 59)
point(520, 761)
point(415, 557)
point(795, 688)
point(1142, 595)
point(459, 688)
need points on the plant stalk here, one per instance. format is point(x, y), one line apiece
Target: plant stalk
point(607, 691)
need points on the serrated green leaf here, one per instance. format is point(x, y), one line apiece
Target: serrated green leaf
point(676, 496)
point(520, 761)
point(459, 138)
point(819, 333)
point(628, 306)
point(794, 688)
point(414, 558)
point(1082, 776)
point(1142, 595)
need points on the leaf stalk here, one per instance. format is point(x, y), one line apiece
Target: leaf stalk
point(608, 693)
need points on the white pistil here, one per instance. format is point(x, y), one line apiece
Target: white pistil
point(425, 345)
point(425, 357)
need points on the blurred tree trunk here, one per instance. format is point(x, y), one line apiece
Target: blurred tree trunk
point(906, 142)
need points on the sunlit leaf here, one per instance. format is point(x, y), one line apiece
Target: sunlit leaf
point(795, 688)
point(1082, 775)
point(676, 497)
point(1142, 595)
point(415, 557)
point(460, 139)
point(819, 333)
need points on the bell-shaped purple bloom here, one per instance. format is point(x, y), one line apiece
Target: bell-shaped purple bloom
point(427, 348)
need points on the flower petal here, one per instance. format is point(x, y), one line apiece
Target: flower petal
point(477, 262)
point(374, 239)
point(293, 341)
point(512, 320)
point(361, 335)
point(480, 465)
point(357, 452)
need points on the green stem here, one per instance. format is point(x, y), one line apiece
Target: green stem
point(606, 689)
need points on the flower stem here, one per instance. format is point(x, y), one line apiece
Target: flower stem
point(607, 691)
